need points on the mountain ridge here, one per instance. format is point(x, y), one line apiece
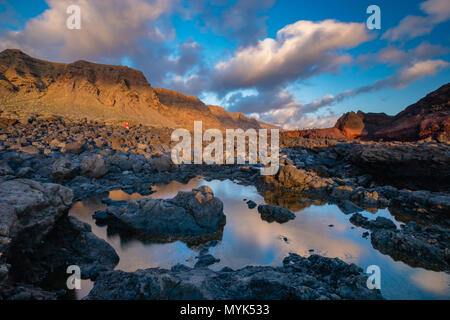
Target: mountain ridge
point(104, 92)
point(427, 118)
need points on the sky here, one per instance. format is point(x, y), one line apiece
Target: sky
point(294, 63)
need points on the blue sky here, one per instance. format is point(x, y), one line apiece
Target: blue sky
point(294, 63)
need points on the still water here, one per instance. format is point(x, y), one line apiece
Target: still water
point(248, 240)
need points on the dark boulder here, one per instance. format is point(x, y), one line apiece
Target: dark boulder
point(272, 213)
point(185, 217)
point(301, 278)
point(418, 246)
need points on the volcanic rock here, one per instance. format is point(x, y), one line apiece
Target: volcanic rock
point(301, 278)
point(186, 216)
point(65, 168)
point(94, 166)
point(271, 213)
point(418, 246)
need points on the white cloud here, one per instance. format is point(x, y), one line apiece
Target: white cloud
point(260, 101)
point(395, 56)
point(414, 26)
point(293, 118)
point(138, 30)
point(419, 70)
point(407, 75)
point(299, 51)
point(408, 28)
point(438, 9)
point(243, 21)
point(108, 28)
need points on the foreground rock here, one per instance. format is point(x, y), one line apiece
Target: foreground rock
point(38, 241)
point(29, 211)
point(429, 206)
point(379, 223)
point(271, 213)
point(418, 246)
point(425, 247)
point(194, 216)
point(310, 278)
point(290, 178)
point(70, 243)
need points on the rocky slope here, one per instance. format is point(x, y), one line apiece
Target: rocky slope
point(428, 118)
point(185, 109)
point(79, 89)
point(105, 92)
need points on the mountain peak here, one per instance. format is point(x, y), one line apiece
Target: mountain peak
point(13, 52)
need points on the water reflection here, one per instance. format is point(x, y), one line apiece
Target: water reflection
point(248, 240)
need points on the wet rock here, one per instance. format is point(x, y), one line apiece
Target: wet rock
point(367, 198)
point(121, 161)
point(207, 210)
point(424, 202)
point(348, 207)
point(302, 278)
point(71, 242)
point(94, 166)
point(342, 192)
point(28, 292)
point(379, 223)
point(289, 177)
point(188, 215)
point(418, 246)
point(251, 204)
point(206, 260)
point(272, 213)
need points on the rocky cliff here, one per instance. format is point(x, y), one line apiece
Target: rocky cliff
point(428, 118)
point(104, 92)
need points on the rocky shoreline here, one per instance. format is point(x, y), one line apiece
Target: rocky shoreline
point(313, 278)
point(48, 162)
